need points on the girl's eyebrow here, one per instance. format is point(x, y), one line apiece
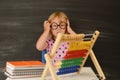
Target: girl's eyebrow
point(62, 21)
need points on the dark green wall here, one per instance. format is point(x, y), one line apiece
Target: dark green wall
point(21, 24)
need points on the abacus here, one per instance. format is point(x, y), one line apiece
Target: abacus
point(79, 48)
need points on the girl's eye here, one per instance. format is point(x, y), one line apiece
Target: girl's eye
point(54, 25)
point(62, 25)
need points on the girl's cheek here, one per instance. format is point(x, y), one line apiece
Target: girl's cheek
point(55, 33)
point(64, 31)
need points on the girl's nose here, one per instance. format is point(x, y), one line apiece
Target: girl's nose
point(58, 27)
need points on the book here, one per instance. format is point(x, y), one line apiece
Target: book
point(25, 72)
point(23, 69)
point(14, 65)
point(22, 75)
point(31, 78)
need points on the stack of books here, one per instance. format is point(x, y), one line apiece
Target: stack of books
point(24, 70)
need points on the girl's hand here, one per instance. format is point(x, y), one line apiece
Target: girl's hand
point(68, 23)
point(69, 28)
point(46, 25)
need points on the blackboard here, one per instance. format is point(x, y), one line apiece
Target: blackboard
point(21, 24)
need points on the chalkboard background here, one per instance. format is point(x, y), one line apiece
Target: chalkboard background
point(21, 24)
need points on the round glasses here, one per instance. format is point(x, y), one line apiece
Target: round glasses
point(62, 25)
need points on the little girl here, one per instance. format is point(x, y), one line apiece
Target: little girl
point(57, 23)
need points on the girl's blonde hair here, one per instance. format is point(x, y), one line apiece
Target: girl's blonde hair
point(57, 14)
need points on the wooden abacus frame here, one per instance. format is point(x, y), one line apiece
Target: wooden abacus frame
point(60, 36)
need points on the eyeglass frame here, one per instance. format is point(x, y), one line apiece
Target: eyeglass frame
point(58, 25)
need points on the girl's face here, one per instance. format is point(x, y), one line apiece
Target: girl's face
point(58, 25)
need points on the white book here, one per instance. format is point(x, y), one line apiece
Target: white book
point(33, 78)
point(22, 76)
point(24, 71)
point(23, 68)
